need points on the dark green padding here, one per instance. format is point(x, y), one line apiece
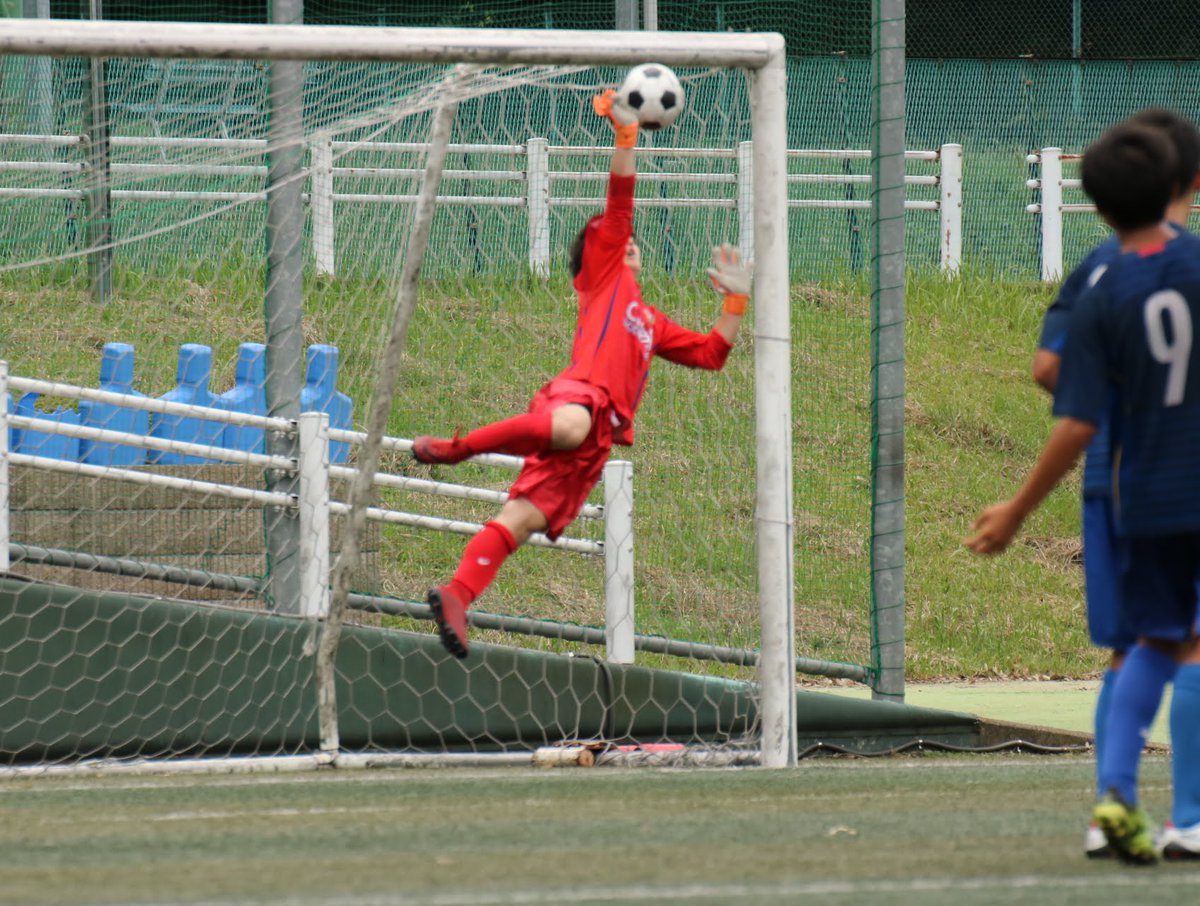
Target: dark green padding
point(93, 674)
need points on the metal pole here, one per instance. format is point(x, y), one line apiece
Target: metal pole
point(1076, 55)
point(283, 306)
point(322, 207)
point(887, 329)
point(745, 199)
point(618, 562)
point(650, 15)
point(773, 517)
point(98, 224)
point(537, 178)
point(40, 97)
point(1052, 214)
point(950, 207)
point(626, 15)
point(5, 529)
point(314, 514)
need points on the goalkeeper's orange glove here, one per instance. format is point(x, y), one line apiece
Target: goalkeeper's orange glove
point(731, 277)
point(624, 120)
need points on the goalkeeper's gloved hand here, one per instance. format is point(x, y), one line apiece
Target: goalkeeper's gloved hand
point(731, 277)
point(624, 120)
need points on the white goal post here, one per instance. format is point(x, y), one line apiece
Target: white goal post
point(761, 54)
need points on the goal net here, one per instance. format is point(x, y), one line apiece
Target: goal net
point(190, 224)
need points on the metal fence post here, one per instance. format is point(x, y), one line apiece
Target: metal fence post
point(745, 199)
point(322, 206)
point(1052, 189)
point(537, 178)
point(4, 521)
point(950, 208)
point(618, 561)
point(313, 505)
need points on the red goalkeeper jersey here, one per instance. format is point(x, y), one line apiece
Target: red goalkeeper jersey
point(618, 334)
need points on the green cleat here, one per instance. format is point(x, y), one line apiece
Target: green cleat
point(1127, 829)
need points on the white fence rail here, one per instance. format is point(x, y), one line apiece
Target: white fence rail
point(531, 178)
point(313, 505)
point(1051, 184)
point(1055, 189)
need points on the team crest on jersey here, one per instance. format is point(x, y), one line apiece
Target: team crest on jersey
point(639, 321)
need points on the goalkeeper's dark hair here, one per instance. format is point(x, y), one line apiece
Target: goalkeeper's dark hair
point(1184, 137)
point(575, 249)
point(1129, 172)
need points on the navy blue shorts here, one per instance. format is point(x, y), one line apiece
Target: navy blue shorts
point(1106, 622)
point(1159, 581)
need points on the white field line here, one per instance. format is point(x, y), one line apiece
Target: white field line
point(32, 783)
point(726, 893)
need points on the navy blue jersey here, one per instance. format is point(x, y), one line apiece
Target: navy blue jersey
point(1097, 464)
point(1135, 328)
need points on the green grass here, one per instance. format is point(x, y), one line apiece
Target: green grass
point(477, 349)
point(927, 830)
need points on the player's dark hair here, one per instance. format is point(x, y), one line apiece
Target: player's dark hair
point(575, 249)
point(1129, 172)
point(1184, 137)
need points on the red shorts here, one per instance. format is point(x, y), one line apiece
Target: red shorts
point(558, 482)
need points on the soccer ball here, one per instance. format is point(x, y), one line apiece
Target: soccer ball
point(653, 93)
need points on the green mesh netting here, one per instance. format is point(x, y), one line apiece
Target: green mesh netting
point(1001, 78)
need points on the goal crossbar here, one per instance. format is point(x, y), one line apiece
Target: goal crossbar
point(64, 37)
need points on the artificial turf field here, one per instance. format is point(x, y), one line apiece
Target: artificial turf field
point(928, 829)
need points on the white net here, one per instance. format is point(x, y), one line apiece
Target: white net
point(173, 206)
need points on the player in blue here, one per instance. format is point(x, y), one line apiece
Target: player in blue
point(1134, 328)
point(1105, 626)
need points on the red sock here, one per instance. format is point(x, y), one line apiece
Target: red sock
point(517, 436)
point(482, 560)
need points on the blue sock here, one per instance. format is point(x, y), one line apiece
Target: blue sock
point(1136, 696)
point(1185, 746)
point(1103, 706)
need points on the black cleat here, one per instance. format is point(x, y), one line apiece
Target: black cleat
point(450, 615)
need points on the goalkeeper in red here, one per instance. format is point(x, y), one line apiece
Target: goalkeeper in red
point(574, 420)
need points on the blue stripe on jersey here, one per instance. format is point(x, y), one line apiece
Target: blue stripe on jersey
point(608, 314)
point(637, 397)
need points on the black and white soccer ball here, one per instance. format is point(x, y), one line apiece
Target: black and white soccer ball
point(652, 91)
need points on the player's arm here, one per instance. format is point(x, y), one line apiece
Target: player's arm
point(998, 524)
point(1045, 369)
point(615, 226)
point(733, 279)
point(1080, 402)
point(1048, 357)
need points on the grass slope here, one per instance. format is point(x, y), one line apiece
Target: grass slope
point(478, 349)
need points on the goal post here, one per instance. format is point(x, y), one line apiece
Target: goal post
point(761, 55)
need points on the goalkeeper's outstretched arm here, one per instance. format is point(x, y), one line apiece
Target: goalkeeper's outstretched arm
point(625, 129)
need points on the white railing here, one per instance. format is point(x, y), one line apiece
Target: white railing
point(312, 504)
point(1055, 188)
point(531, 180)
point(1052, 185)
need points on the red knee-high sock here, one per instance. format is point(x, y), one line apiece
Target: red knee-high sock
point(517, 436)
point(481, 561)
